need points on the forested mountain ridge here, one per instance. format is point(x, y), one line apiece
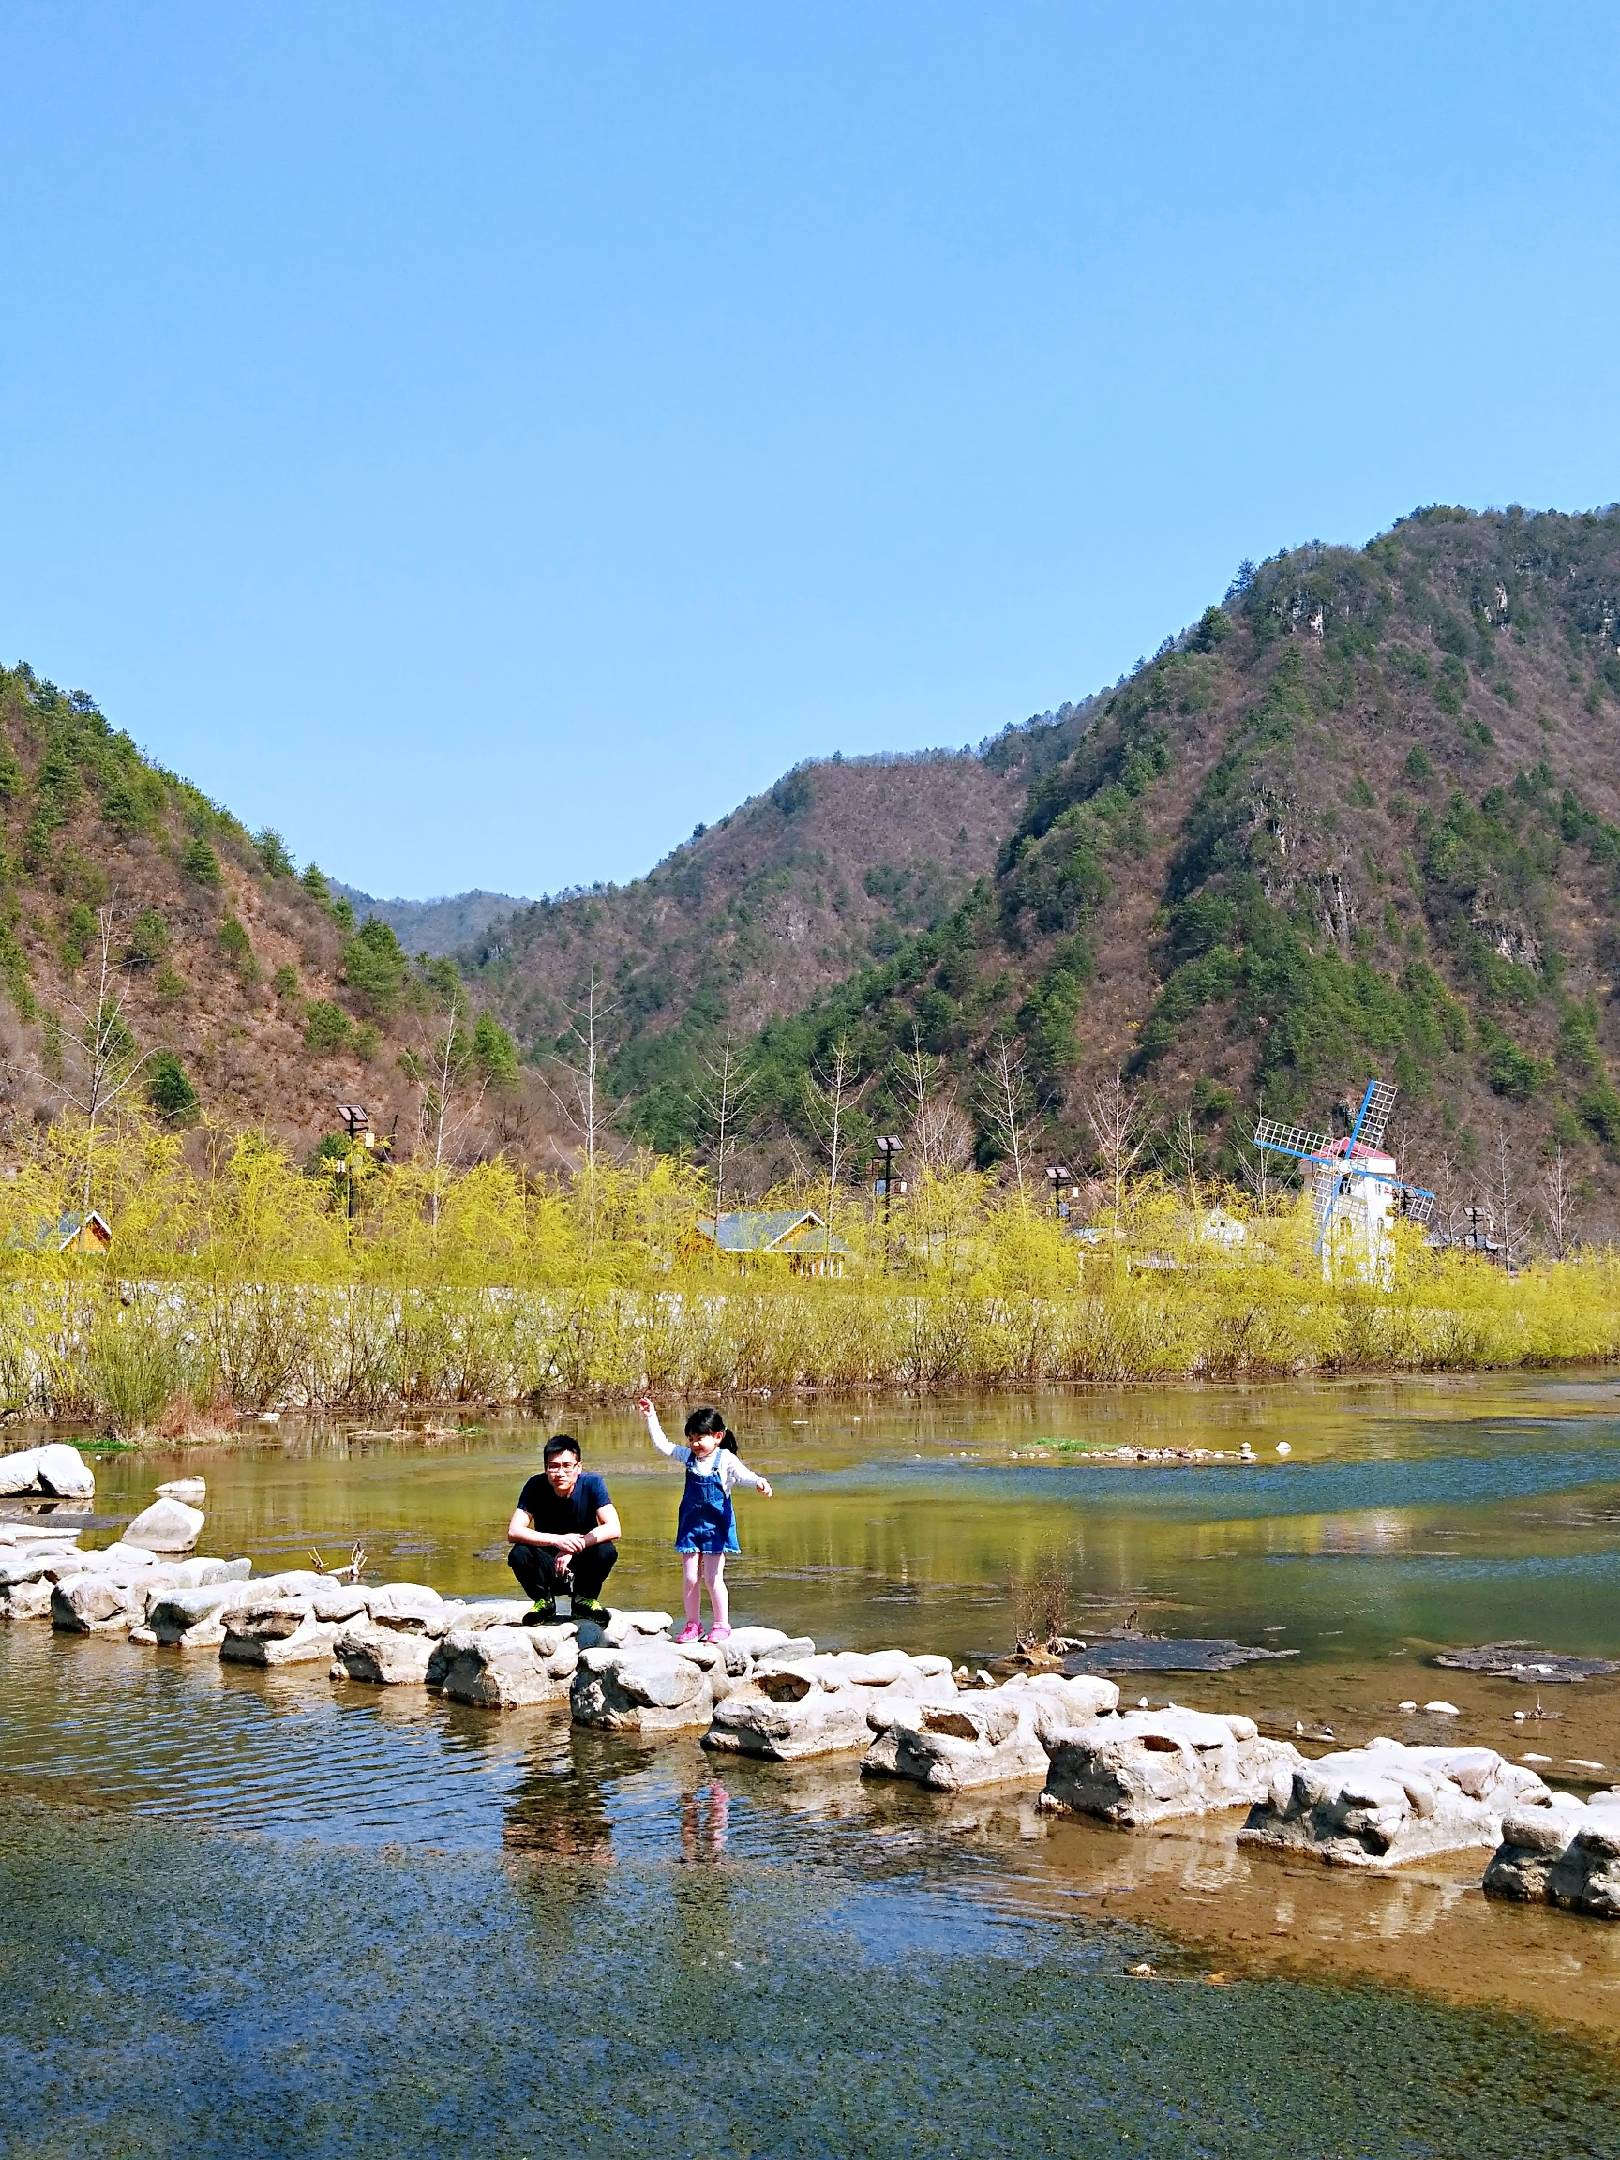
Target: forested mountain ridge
point(835, 865)
point(235, 988)
point(440, 927)
point(1364, 816)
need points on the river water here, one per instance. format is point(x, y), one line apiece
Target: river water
point(253, 1883)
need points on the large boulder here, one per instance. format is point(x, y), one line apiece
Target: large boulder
point(278, 1627)
point(102, 1603)
point(1151, 1764)
point(410, 1609)
point(167, 1526)
point(382, 1656)
point(505, 1668)
point(994, 1736)
point(193, 1618)
point(787, 1709)
point(27, 1600)
point(57, 1471)
point(1375, 1806)
point(622, 1627)
point(1563, 1851)
point(648, 1686)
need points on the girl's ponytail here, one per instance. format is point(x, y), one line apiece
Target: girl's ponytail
point(728, 1439)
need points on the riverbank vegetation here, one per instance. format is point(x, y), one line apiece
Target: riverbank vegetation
point(239, 1281)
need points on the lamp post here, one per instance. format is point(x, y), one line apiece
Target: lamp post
point(888, 1148)
point(1058, 1177)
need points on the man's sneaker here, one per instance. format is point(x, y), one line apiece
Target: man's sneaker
point(589, 1608)
point(541, 1614)
point(690, 1633)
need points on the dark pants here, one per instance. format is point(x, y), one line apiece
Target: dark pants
point(535, 1567)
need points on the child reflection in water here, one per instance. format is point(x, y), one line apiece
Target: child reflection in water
point(705, 1819)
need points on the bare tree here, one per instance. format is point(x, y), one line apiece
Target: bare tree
point(450, 1090)
point(1116, 1131)
point(107, 1058)
point(1007, 1103)
point(1513, 1223)
point(830, 1092)
point(722, 1103)
point(1181, 1153)
point(576, 1083)
point(1558, 1206)
point(940, 1136)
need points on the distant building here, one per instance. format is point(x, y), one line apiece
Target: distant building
point(74, 1233)
point(794, 1238)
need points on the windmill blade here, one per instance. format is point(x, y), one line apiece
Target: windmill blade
point(1290, 1139)
point(1377, 1104)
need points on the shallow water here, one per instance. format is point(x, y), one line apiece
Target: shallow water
point(1410, 1515)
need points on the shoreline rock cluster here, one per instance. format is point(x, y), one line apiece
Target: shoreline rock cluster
point(778, 1698)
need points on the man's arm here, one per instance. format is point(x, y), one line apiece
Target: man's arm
point(607, 1531)
point(521, 1531)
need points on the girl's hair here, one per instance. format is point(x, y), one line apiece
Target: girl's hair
point(704, 1421)
point(728, 1439)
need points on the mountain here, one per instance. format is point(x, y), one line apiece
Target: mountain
point(439, 927)
point(839, 863)
point(234, 988)
point(1363, 817)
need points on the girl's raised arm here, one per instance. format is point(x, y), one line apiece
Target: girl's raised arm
point(655, 1431)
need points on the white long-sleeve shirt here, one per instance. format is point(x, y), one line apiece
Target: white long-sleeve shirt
point(730, 1469)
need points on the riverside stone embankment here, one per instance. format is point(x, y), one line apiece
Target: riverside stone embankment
point(907, 1715)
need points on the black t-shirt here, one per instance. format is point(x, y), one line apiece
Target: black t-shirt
point(550, 1512)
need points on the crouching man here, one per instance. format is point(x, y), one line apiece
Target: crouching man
point(564, 1531)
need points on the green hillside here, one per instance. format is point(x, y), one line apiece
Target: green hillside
point(1364, 816)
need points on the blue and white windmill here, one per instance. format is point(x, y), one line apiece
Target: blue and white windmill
point(1356, 1190)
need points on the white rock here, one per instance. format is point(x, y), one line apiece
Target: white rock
point(1563, 1852)
point(648, 1686)
point(1441, 1709)
point(56, 1470)
point(1407, 1708)
point(279, 1630)
point(988, 1737)
point(1376, 1806)
point(189, 1491)
point(505, 1668)
point(100, 1604)
point(1148, 1765)
point(383, 1656)
point(27, 1600)
point(193, 1617)
point(790, 1708)
point(167, 1526)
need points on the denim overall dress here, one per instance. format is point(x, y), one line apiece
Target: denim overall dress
point(706, 1523)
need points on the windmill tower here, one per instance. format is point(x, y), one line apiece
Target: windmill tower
point(1356, 1190)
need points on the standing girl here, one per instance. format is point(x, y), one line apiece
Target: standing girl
point(706, 1529)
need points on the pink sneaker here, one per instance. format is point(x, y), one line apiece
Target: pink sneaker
point(718, 1634)
point(690, 1633)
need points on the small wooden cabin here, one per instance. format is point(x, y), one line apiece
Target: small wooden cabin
point(76, 1233)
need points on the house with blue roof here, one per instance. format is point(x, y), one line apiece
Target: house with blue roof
point(793, 1238)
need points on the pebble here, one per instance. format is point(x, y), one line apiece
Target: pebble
point(1441, 1709)
point(1530, 1755)
point(1408, 1707)
point(1283, 1448)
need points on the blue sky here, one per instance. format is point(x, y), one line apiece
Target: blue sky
point(483, 441)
